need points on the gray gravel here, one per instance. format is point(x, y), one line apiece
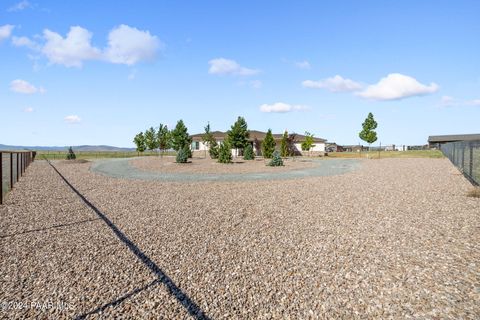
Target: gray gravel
point(396, 238)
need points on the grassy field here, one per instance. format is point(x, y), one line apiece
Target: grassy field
point(59, 155)
point(388, 154)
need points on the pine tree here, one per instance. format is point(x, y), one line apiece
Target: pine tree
point(213, 150)
point(368, 133)
point(238, 134)
point(225, 153)
point(139, 141)
point(182, 155)
point(268, 145)
point(284, 150)
point(163, 137)
point(180, 137)
point(248, 153)
point(276, 160)
point(210, 141)
point(151, 139)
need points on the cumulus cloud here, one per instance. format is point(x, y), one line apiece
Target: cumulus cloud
point(302, 64)
point(127, 45)
point(28, 110)
point(222, 66)
point(397, 86)
point(6, 31)
point(72, 119)
point(280, 107)
point(22, 86)
point(333, 84)
point(72, 50)
point(22, 5)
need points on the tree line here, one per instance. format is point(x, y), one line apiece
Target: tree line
point(237, 139)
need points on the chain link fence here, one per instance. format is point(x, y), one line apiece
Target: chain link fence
point(13, 167)
point(465, 155)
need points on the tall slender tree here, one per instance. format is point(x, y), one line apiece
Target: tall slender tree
point(308, 143)
point(268, 145)
point(208, 139)
point(139, 141)
point(284, 150)
point(163, 137)
point(368, 133)
point(238, 134)
point(151, 139)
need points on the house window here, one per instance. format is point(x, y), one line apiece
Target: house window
point(195, 145)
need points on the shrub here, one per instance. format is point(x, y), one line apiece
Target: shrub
point(213, 151)
point(182, 155)
point(71, 155)
point(248, 153)
point(224, 153)
point(276, 160)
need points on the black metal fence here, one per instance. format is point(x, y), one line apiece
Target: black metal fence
point(14, 164)
point(466, 156)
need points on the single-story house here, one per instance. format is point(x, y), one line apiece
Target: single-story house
point(255, 139)
point(333, 147)
point(434, 142)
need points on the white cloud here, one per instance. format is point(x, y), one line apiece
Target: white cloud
point(25, 42)
point(448, 101)
point(6, 31)
point(72, 119)
point(72, 50)
point(28, 110)
point(256, 84)
point(225, 66)
point(22, 86)
point(333, 84)
point(22, 5)
point(475, 102)
point(397, 86)
point(127, 45)
point(280, 107)
point(302, 64)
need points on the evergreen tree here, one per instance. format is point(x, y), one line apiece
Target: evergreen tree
point(214, 150)
point(182, 155)
point(151, 139)
point(284, 150)
point(368, 133)
point(71, 155)
point(163, 138)
point(238, 134)
point(139, 141)
point(268, 145)
point(248, 153)
point(276, 160)
point(180, 137)
point(225, 153)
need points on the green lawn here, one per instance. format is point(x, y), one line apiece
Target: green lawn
point(388, 154)
point(59, 155)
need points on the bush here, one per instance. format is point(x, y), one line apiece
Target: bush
point(182, 155)
point(71, 155)
point(276, 160)
point(248, 153)
point(213, 151)
point(224, 153)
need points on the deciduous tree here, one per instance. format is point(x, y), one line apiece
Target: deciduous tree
point(368, 133)
point(139, 141)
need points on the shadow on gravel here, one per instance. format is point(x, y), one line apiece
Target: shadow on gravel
point(192, 308)
point(48, 228)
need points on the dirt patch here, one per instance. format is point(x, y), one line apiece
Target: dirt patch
point(209, 166)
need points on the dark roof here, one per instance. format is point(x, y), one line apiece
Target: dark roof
point(454, 137)
point(259, 135)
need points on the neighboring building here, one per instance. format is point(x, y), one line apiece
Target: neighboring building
point(318, 149)
point(354, 148)
point(333, 147)
point(437, 141)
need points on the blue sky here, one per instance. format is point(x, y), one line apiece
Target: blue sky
point(98, 72)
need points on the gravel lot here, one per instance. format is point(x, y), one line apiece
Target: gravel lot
point(397, 238)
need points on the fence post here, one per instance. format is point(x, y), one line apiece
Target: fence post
point(470, 169)
point(1, 178)
point(11, 170)
point(463, 158)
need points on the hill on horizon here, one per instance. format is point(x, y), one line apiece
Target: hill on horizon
point(65, 148)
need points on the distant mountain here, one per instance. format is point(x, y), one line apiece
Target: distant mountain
point(75, 148)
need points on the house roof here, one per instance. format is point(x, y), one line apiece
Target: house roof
point(454, 137)
point(255, 134)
